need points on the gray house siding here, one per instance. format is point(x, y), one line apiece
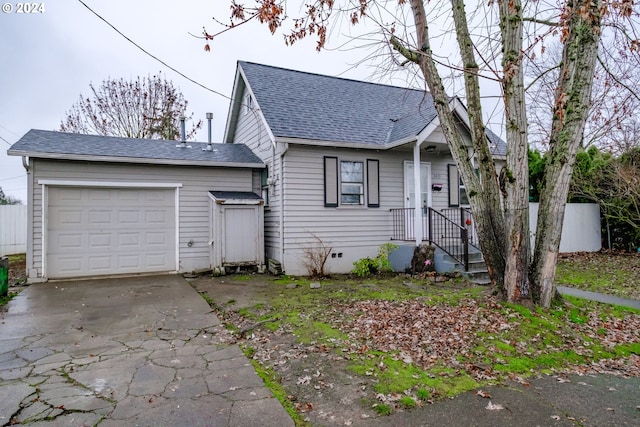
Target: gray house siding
point(194, 214)
point(353, 232)
point(250, 130)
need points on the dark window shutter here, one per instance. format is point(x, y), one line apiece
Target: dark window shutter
point(331, 182)
point(454, 186)
point(373, 183)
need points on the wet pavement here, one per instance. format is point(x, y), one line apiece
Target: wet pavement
point(129, 351)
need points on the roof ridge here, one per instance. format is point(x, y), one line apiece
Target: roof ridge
point(92, 135)
point(335, 77)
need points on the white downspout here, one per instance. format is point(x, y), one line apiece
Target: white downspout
point(281, 197)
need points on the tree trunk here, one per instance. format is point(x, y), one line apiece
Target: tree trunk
point(514, 178)
point(569, 116)
point(483, 191)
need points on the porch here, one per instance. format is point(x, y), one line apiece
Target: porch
point(451, 230)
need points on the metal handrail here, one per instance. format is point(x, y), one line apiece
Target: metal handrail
point(453, 236)
point(442, 230)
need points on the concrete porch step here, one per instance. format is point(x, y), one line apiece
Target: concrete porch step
point(478, 274)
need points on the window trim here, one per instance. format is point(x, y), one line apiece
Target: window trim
point(264, 185)
point(361, 184)
point(248, 103)
point(456, 186)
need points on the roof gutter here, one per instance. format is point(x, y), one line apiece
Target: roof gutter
point(25, 163)
point(111, 159)
point(341, 144)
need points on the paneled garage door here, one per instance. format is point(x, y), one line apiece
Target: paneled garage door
point(101, 231)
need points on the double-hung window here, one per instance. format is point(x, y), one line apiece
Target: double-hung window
point(351, 183)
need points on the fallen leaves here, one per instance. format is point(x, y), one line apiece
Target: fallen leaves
point(419, 333)
point(483, 394)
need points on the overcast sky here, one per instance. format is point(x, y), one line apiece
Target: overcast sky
point(49, 59)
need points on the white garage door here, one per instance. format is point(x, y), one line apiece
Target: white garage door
point(100, 231)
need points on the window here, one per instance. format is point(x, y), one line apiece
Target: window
point(464, 200)
point(457, 190)
point(348, 182)
point(248, 103)
point(351, 183)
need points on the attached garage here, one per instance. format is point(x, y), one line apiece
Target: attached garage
point(105, 206)
point(96, 231)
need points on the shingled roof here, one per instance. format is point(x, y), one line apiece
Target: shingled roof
point(71, 146)
point(307, 106)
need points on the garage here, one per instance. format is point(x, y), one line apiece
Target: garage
point(108, 206)
point(104, 231)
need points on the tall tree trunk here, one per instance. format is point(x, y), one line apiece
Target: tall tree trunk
point(582, 32)
point(483, 190)
point(514, 178)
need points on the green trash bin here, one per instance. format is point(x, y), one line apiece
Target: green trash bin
point(4, 276)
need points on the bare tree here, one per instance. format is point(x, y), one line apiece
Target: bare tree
point(148, 107)
point(493, 40)
point(612, 124)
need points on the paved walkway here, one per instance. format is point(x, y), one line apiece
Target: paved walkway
point(136, 351)
point(594, 296)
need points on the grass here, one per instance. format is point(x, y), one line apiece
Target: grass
point(272, 381)
point(532, 341)
point(608, 273)
point(4, 300)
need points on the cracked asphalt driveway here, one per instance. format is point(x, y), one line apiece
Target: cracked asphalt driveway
point(127, 351)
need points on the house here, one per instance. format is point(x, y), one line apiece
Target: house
point(101, 205)
point(344, 162)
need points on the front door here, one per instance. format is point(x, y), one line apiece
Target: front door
point(410, 196)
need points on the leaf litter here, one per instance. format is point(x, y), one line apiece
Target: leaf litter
point(455, 339)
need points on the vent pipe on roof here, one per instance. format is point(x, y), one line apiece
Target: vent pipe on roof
point(209, 118)
point(183, 134)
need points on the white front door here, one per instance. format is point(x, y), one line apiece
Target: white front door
point(410, 196)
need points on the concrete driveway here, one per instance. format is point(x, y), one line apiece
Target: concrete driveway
point(129, 351)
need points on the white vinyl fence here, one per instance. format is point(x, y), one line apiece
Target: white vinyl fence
point(13, 229)
point(581, 228)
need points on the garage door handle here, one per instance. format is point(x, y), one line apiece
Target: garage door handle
point(210, 242)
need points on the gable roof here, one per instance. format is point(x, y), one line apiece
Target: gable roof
point(307, 106)
point(303, 105)
point(72, 146)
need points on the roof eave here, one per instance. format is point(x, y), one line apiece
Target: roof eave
point(323, 143)
point(138, 160)
point(234, 108)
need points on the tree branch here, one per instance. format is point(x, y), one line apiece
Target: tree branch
point(616, 79)
point(540, 76)
point(411, 55)
point(541, 21)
